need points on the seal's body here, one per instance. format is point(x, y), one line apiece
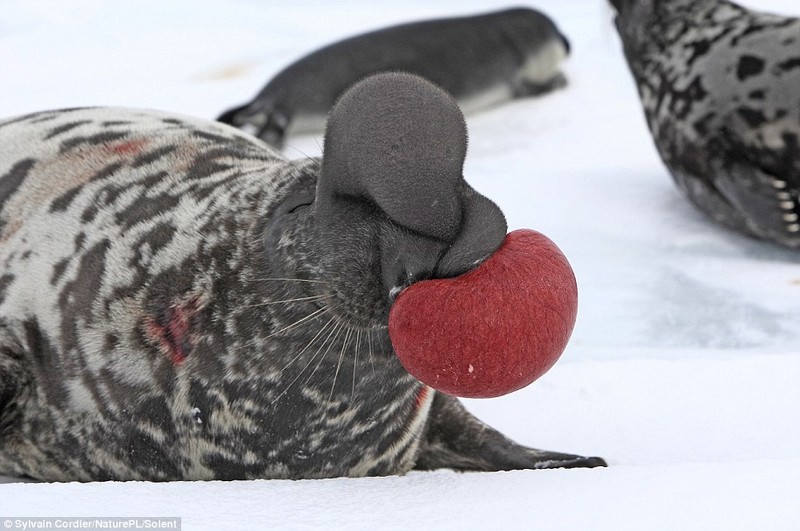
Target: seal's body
point(480, 60)
point(719, 86)
point(177, 301)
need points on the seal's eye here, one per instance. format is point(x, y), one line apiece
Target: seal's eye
point(300, 206)
point(297, 202)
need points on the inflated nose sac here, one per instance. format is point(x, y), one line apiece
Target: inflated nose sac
point(398, 142)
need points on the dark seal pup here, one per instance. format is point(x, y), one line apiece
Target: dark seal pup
point(179, 302)
point(720, 86)
point(480, 60)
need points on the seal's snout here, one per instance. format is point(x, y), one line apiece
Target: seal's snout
point(482, 232)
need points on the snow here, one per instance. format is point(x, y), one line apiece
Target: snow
point(682, 371)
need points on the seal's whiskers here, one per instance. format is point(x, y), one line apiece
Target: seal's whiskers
point(312, 315)
point(355, 361)
point(330, 340)
point(347, 334)
point(291, 280)
point(308, 345)
point(326, 327)
point(369, 345)
point(286, 301)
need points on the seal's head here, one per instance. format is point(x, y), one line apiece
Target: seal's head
point(648, 26)
point(392, 206)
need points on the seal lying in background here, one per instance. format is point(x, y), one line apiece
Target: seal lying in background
point(480, 60)
point(177, 301)
point(719, 85)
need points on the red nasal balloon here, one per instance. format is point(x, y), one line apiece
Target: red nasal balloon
point(494, 329)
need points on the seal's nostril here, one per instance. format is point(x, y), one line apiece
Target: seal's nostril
point(395, 291)
point(406, 279)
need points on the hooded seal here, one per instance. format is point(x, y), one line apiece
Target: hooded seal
point(719, 86)
point(180, 302)
point(480, 60)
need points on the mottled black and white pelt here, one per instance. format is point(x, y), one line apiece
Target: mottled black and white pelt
point(177, 301)
point(480, 60)
point(720, 86)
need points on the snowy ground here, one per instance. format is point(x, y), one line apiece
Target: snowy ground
point(683, 369)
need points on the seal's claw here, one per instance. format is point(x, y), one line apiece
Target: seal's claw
point(572, 461)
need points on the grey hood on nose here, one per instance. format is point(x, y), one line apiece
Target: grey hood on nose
point(397, 143)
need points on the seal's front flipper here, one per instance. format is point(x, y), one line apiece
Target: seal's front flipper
point(254, 119)
point(527, 88)
point(273, 132)
point(455, 439)
point(230, 116)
